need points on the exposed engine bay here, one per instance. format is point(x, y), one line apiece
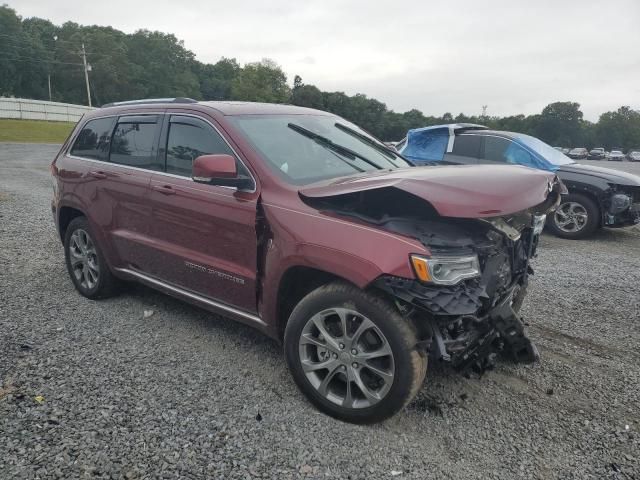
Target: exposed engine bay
point(465, 323)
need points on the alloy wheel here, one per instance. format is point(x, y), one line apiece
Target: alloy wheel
point(571, 217)
point(84, 259)
point(346, 358)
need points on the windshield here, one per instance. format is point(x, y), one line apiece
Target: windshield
point(303, 149)
point(547, 152)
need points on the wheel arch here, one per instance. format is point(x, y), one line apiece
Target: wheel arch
point(296, 283)
point(65, 217)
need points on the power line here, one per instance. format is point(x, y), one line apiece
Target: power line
point(36, 60)
point(76, 50)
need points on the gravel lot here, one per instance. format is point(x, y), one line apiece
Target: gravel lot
point(183, 393)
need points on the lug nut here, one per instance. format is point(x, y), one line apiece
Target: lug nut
point(335, 355)
point(354, 351)
point(341, 346)
point(354, 365)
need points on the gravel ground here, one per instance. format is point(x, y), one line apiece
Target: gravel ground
point(95, 389)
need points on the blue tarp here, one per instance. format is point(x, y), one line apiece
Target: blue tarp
point(427, 144)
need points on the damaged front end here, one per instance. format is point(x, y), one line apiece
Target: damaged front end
point(468, 290)
point(469, 321)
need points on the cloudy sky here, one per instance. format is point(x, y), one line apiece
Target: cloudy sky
point(515, 56)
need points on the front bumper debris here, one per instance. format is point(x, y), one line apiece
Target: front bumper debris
point(457, 332)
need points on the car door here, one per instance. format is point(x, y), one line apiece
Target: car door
point(119, 153)
point(500, 150)
point(132, 158)
point(465, 150)
point(204, 235)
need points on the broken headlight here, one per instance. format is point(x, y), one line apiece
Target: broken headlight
point(619, 203)
point(447, 270)
point(538, 224)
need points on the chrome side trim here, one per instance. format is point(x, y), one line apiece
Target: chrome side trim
point(191, 295)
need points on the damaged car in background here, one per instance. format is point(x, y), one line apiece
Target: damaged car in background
point(302, 225)
point(596, 197)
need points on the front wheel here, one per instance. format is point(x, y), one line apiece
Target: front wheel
point(352, 354)
point(577, 217)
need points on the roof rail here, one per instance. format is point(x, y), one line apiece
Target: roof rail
point(150, 101)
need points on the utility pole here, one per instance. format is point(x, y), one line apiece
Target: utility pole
point(86, 73)
point(55, 39)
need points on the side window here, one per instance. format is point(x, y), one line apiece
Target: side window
point(495, 149)
point(134, 142)
point(467, 146)
point(188, 138)
point(94, 138)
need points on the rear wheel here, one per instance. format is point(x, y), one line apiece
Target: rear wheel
point(578, 216)
point(85, 263)
point(352, 354)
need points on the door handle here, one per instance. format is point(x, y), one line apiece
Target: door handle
point(100, 175)
point(164, 189)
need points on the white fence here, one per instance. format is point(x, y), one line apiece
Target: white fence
point(25, 109)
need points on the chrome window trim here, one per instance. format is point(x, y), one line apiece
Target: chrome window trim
point(192, 295)
point(172, 175)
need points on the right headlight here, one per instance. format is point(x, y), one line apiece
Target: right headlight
point(448, 270)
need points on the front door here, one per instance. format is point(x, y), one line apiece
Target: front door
point(204, 235)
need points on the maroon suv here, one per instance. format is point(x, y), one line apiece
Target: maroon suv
point(304, 226)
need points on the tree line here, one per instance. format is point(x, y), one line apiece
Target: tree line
point(35, 53)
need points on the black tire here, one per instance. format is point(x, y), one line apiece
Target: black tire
point(409, 365)
point(105, 284)
point(589, 207)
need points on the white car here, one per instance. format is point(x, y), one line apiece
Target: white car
point(616, 156)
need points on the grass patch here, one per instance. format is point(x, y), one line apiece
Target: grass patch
point(34, 131)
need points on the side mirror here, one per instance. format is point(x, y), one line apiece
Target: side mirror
point(219, 169)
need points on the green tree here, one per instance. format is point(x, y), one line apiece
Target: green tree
point(560, 123)
point(262, 81)
point(306, 95)
point(216, 80)
point(13, 52)
point(619, 129)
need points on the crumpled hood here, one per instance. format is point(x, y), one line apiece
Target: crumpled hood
point(463, 191)
point(608, 174)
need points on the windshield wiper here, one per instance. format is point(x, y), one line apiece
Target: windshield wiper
point(382, 148)
point(325, 142)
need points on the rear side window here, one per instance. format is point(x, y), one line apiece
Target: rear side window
point(94, 138)
point(134, 142)
point(467, 146)
point(189, 138)
point(495, 149)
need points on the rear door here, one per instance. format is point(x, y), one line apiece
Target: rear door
point(113, 158)
point(132, 157)
point(204, 236)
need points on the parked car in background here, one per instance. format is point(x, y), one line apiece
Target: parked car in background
point(616, 156)
point(633, 155)
point(596, 154)
point(597, 197)
point(578, 153)
point(302, 225)
point(565, 150)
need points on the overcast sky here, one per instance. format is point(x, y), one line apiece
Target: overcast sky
point(515, 56)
